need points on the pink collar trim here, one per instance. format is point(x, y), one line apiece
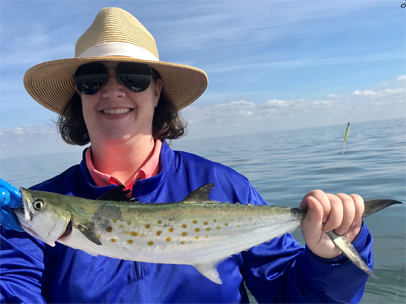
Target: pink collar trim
point(150, 168)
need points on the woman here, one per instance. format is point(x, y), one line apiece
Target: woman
point(116, 94)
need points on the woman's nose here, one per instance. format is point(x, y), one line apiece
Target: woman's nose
point(113, 88)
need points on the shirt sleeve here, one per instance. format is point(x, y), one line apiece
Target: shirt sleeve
point(22, 268)
point(281, 271)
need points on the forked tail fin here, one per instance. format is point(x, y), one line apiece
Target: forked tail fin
point(376, 205)
point(345, 245)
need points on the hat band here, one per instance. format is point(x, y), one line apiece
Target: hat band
point(118, 49)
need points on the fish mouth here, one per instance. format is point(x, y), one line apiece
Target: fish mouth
point(25, 209)
point(19, 210)
point(68, 231)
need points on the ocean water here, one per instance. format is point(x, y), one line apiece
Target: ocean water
point(284, 165)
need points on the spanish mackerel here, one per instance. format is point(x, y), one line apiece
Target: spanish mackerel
point(196, 231)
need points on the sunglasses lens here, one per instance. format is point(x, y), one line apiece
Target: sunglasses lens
point(135, 76)
point(90, 78)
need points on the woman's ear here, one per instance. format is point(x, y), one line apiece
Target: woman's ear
point(158, 83)
point(77, 91)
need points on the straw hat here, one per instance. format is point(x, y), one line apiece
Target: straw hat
point(115, 35)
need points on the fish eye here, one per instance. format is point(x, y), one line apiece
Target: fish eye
point(38, 205)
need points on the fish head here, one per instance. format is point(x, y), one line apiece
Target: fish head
point(41, 217)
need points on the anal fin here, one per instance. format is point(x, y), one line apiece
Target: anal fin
point(209, 271)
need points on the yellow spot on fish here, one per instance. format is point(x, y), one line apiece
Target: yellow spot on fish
point(168, 239)
point(128, 223)
point(226, 224)
point(250, 218)
point(218, 227)
point(130, 241)
point(214, 220)
point(206, 236)
point(147, 226)
point(238, 226)
point(114, 221)
point(113, 240)
point(133, 233)
point(158, 233)
point(170, 229)
point(205, 223)
point(194, 222)
point(143, 235)
point(184, 234)
point(182, 243)
point(171, 219)
point(121, 226)
point(109, 229)
point(197, 229)
point(207, 229)
point(184, 226)
point(197, 238)
point(150, 243)
point(159, 222)
point(232, 220)
point(99, 236)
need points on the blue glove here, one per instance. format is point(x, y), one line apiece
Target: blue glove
point(10, 197)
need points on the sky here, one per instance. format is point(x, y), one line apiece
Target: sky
point(271, 65)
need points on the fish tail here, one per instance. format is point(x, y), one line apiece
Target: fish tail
point(350, 252)
point(374, 206)
point(345, 245)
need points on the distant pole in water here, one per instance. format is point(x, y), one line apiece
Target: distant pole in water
point(346, 135)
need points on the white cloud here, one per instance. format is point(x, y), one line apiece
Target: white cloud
point(364, 93)
point(277, 103)
point(35, 140)
point(401, 78)
point(249, 112)
point(332, 96)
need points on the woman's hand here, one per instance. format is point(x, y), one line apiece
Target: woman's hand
point(341, 213)
point(10, 197)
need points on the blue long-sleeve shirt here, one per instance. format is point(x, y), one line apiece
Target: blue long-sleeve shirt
point(278, 271)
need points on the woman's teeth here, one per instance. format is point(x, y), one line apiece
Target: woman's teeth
point(116, 111)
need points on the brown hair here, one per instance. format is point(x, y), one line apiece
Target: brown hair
point(167, 123)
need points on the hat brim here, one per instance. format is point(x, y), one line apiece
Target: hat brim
point(51, 83)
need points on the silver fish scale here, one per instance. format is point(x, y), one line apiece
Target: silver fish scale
point(189, 230)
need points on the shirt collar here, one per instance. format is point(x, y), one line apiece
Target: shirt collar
point(149, 169)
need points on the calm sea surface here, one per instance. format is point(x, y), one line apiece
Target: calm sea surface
point(285, 165)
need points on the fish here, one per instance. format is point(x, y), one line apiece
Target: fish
point(196, 231)
point(347, 131)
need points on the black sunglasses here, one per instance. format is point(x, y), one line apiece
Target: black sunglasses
point(91, 77)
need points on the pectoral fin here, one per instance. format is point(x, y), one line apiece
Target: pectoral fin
point(87, 229)
point(209, 271)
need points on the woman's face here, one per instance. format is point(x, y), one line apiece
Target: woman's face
point(115, 114)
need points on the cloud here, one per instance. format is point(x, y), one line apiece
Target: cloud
point(35, 140)
point(401, 78)
point(231, 111)
point(364, 93)
point(245, 117)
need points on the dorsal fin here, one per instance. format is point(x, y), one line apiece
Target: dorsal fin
point(118, 194)
point(200, 195)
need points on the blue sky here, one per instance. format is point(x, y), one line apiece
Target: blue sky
point(271, 64)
